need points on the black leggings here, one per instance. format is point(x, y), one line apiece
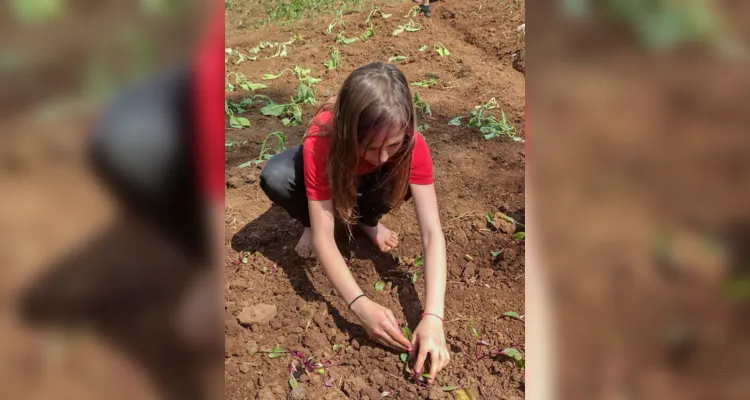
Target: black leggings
point(283, 181)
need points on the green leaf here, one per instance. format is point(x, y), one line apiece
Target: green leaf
point(379, 286)
point(455, 121)
point(275, 110)
point(425, 83)
point(341, 38)
point(244, 258)
point(369, 33)
point(252, 86)
point(293, 382)
point(423, 48)
point(246, 164)
point(512, 314)
point(519, 236)
point(426, 376)
point(277, 352)
point(442, 50)
point(449, 388)
point(397, 59)
point(407, 332)
point(419, 261)
point(495, 254)
point(234, 123)
point(243, 121)
point(474, 331)
point(398, 31)
point(404, 357)
point(414, 277)
point(469, 257)
point(321, 371)
point(336, 347)
point(270, 77)
point(512, 353)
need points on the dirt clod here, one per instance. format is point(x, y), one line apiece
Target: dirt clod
point(436, 393)
point(257, 314)
point(486, 273)
point(503, 225)
point(316, 342)
point(266, 394)
point(370, 393)
point(244, 368)
point(235, 182)
point(298, 394)
point(321, 315)
point(469, 271)
point(251, 347)
point(250, 178)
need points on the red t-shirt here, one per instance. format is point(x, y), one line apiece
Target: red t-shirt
point(315, 157)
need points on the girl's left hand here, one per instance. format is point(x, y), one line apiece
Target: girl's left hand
point(429, 338)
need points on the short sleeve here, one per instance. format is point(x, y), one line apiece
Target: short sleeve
point(421, 162)
point(315, 160)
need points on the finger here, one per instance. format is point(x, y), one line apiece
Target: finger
point(420, 360)
point(446, 359)
point(434, 365)
point(396, 335)
point(387, 341)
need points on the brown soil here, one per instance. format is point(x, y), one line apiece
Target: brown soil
point(473, 176)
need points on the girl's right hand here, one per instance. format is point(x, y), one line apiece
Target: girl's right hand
point(380, 324)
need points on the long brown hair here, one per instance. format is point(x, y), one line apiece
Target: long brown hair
point(374, 97)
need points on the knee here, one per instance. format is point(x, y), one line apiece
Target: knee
point(275, 179)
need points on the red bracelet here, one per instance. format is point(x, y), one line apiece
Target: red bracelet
point(434, 315)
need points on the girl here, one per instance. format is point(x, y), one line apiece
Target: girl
point(362, 157)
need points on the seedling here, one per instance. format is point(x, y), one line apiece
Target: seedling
point(423, 48)
point(235, 143)
point(421, 105)
point(266, 152)
point(240, 81)
point(369, 33)
point(301, 364)
point(423, 127)
point(341, 38)
point(409, 27)
point(492, 352)
point(488, 124)
point(442, 50)
point(513, 314)
point(240, 57)
point(397, 59)
point(376, 10)
point(335, 60)
point(517, 237)
point(302, 74)
point(413, 12)
point(305, 95)
point(338, 21)
point(379, 286)
point(425, 83)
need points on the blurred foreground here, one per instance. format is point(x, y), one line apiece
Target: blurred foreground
point(94, 276)
point(638, 197)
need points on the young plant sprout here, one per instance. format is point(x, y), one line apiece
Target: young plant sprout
point(301, 364)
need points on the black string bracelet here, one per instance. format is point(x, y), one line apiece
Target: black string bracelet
point(355, 299)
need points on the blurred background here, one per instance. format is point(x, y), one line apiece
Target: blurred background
point(637, 115)
point(94, 264)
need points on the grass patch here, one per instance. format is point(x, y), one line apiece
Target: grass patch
point(286, 11)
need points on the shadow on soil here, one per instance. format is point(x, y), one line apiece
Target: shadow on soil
point(274, 234)
point(125, 285)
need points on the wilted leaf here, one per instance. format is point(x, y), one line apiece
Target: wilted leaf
point(449, 388)
point(512, 314)
point(275, 110)
point(423, 48)
point(442, 50)
point(369, 33)
point(397, 59)
point(455, 121)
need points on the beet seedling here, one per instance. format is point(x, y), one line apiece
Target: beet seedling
point(421, 105)
point(240, 57)
point(338, 21)
point(397, 59)
point(423, 48)
point(341, 38)
point(413, 12)
point(376, 10)
point(301, 364)
point(368, 34)
point(492, 352)
point(265, 150)
point(488, 124)
point(335, 60)
point(425, 83)
point(442, 50)
point(241, 81)
point(408, 27)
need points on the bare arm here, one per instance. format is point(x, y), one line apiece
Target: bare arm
point(334, 266)
point(433, 246)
